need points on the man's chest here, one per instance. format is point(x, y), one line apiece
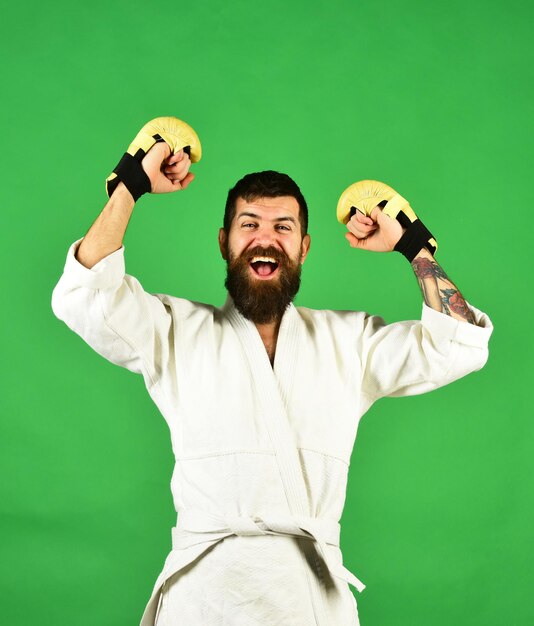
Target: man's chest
point(225, 397)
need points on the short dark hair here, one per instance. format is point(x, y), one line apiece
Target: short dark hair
point(266, 184)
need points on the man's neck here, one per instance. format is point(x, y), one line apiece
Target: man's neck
point(269, 336)
point(269, 332)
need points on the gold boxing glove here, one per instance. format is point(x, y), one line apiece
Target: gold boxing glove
point(367, 194)
point(174, 132)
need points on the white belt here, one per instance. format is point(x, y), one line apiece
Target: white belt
point(196, 527)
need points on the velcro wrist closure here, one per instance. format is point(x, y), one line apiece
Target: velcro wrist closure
point(130, 171)
point(415, 237)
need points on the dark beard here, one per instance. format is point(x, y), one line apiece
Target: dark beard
point(262, 301)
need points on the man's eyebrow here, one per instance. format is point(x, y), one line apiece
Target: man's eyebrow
point(285, 218)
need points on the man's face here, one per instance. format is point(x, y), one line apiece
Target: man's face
point(264, 251)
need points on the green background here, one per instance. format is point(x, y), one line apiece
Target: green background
point(433, 98)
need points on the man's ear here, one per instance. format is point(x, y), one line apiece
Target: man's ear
point(305, 247)
point(222, 243)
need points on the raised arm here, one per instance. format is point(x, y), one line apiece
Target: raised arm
point(166, 173)
point(381, 233)
point(95, 296)
point(414, 356)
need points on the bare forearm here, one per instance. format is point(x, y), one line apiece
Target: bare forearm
point(107, 232)
point(439, 292)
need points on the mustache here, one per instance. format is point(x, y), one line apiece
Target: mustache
point(280, 257)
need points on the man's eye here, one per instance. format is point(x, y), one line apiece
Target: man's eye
point(247, 225)
point(283, 227)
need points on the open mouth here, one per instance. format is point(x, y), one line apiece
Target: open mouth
point(264, 267)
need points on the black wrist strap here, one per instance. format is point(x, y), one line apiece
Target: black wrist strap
point(130, 171)
point(414, 238)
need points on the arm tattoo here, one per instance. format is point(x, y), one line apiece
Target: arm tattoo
point(453, 299)
point(439, 292)
point(424, 267)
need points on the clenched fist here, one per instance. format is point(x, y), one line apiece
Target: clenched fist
point(379, 232)
point(167, 172)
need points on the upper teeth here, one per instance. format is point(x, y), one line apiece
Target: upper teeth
point(265, 259)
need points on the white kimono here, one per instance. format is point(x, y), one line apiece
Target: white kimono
point(262, 452)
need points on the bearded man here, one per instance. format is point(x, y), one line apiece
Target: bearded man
point(262, 398)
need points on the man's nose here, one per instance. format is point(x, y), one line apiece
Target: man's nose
point(265, 236)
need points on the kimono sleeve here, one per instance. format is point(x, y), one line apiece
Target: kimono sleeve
point(413, 357)
point(111, 312)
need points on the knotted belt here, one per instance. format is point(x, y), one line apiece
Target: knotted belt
point(197, 527)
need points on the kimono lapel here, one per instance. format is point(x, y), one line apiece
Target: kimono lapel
point(287, 353)
point(273, 386)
